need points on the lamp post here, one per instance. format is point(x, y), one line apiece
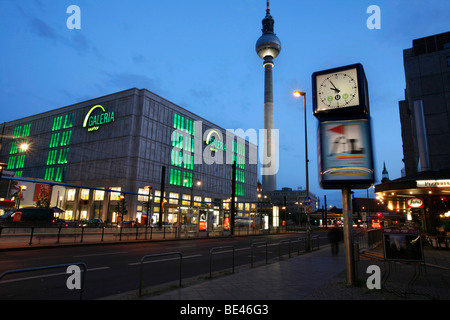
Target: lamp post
point(21, 188)
point(198, 183)
point(308, 230)
point(149, 198)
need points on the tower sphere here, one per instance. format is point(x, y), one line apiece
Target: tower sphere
point(268, 45)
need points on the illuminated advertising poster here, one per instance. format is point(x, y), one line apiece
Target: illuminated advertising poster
point(402, 245)
point(202, 221)
point(345, 154)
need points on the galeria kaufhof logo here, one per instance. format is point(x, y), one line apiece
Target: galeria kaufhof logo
point(97, 117)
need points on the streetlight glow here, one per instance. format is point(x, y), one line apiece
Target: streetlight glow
point(24, 147)
point(299, 94)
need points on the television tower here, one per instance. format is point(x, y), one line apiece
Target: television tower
point(268, 47)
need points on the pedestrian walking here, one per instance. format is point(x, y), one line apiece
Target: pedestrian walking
point(334, 236)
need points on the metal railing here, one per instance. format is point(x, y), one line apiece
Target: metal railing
point(50, 267)
point(39, 235)
point(254, 244)
point(158, 255)
point(211, 254)
point(368, 239)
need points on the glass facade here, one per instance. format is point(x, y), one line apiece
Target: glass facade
point(126, 155)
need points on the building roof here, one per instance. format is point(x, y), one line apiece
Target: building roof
point(409, 183)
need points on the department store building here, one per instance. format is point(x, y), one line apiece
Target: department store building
point(92, 153)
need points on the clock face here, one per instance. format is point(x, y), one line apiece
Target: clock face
point(337, 90)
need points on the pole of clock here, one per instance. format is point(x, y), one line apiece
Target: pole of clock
point(348, 235)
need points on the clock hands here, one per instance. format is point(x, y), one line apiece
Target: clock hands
point(334, 87)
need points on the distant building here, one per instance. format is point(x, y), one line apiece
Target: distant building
point(291, 202)
point(118, 145)
point(384, 174)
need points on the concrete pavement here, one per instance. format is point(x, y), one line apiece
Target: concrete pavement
point(321, 276)
point(318, 275)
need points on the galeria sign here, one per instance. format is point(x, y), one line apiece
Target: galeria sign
point(94, 120)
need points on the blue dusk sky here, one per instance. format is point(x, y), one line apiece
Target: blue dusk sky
point(200, 54)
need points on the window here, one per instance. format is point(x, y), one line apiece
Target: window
point(84, 194)
point(186, 199)
point(115, 195)
point(99, 195)
point(157, 196)
point(197, 201)
point(448, 61)
point(143, 194)
point(71, 194)
point(173, 198)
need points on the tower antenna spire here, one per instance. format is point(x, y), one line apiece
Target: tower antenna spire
point(268, 7)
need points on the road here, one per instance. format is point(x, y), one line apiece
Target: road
point(114, 269)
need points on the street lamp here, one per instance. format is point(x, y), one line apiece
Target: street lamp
point(198, 183)
point(21, 188)
point(24, 147)
point(149, 198)
point(308, 231)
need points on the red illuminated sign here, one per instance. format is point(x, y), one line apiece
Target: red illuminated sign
point(414, 203)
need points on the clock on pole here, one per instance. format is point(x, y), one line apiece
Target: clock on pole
point(340, 92)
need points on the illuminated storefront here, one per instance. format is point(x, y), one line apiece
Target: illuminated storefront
point(116, 147)
point(420, 200)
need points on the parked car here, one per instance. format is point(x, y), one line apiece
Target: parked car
point(7, 216)
point(92, 223)
point(127, 224)
point(164, 224)
point(60, 222)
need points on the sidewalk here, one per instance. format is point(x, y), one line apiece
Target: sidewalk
point(320, 276)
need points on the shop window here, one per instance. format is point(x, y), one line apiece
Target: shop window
point(84, 194)
point(115, 195)
point(157, 196)
point(173, 198)
point(71, 194)
point(186, 199)
point(99, 195)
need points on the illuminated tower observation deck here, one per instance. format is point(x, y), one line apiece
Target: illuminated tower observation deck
point(268, 47)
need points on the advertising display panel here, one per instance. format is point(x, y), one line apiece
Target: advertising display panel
point(402, 245)
point(345, 154)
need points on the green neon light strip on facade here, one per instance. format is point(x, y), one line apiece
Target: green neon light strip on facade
point(11, 163)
